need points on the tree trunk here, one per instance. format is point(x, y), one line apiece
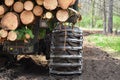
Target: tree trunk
point(18, 7)
point(50, 4)
point(39, 2)
point(93, 13)
point(105, 17)
point(62, 15)
point(28, 5)
point(38, 10)
point(110, 17)
point(27, 17)
point(10, 21)
point(8, 2)
point(64, 4)
point(102, 3)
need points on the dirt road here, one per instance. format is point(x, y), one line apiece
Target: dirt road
point(98, 65)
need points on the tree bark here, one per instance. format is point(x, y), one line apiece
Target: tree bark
point(93, 13)
point(105, 17)
point(110, 17)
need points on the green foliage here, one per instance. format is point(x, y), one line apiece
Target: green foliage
point(108, 42)
point(99, 24)
point(116, 21)
point(21, 33)
point(28, 31)
point(85, 22)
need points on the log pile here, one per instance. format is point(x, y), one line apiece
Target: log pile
point(16, 13)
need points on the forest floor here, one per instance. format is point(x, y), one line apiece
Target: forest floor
point(97, 65)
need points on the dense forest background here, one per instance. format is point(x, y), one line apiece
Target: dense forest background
point(100, 14)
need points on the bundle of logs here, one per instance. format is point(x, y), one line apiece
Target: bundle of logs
point(14, 13)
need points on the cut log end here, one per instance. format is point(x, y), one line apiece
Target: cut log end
point(18, 7)
point(62, 15)
point(48, 15)
point(3, 33)
point(27, 17)
point(10, 21)
point(64, 4)
point(39, 2)
point(50, 4)
point(38, 10)
point(2, 10)
point(28, 5)
point(12, 36)
point(8, 2)
point(27, 36)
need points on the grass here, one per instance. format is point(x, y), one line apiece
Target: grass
point(108, 43)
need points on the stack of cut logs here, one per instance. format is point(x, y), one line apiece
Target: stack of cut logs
point(14, 13)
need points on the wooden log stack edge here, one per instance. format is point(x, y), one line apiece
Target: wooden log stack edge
point(15, 13)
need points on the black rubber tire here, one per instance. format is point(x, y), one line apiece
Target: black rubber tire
point(57, 49)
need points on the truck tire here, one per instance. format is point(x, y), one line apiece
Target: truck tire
point(66, 51)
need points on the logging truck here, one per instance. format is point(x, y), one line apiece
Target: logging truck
point(42, 28)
